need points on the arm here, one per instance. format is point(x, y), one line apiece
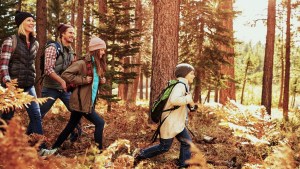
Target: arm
point(179, 97)
point(6, 52)
point(73, 74)
point(50, 59)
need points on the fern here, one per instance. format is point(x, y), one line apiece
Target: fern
point(16, 98)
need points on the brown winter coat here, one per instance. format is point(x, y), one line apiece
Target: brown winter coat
point(76, 74)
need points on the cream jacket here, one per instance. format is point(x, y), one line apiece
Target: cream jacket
point(175, 122)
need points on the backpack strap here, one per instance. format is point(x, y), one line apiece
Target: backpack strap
point(14, 44)
point(157, 132)
point(89, 72)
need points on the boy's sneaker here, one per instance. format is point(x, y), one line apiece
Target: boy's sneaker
point(46, 152)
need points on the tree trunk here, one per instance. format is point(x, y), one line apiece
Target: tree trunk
point(19, 7)
point(102, 7)
point(79, 23)
point(88, 22)
point(229, 92)
point(137, 58)
point(141, 86)
point(287, 63)
point(245, 79)
point(147, 88)
point(73, 7)
point(199, 67)
point(266, 97)
point(165, 44)
point(41, 26)
point(216, 98)
point(282, 72)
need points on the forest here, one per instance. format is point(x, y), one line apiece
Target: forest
point(247, 92)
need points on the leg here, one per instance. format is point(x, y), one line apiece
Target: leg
point(73, 121)
point(65, 98)
point(33, 110)
point(8, 115)
point(161, 148)
point(99, 126)
point(185, 152)
point(47, 92)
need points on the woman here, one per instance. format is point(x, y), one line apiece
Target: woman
point(87, 74)
point(174, 124)
point(18, 62)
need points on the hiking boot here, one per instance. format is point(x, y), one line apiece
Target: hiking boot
point(46, 152)
point(76, 133)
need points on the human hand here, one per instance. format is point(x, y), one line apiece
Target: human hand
point(103, 80)
point(89, 79)
point(63, 85)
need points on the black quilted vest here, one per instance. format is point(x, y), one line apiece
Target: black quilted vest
point(22, 62)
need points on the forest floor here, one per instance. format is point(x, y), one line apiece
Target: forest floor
point(217, 144)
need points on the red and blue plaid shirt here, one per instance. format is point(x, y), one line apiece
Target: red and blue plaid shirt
point(6, 52)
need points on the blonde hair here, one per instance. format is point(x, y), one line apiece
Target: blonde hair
point(21, 30)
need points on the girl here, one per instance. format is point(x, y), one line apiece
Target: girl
point(87, 74)
point(174, 124)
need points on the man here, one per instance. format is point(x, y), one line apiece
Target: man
point(53, 85)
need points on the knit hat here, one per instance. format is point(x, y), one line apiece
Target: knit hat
point(63, 27)
point(183, 69)
point(96, 43)
point(21, 16)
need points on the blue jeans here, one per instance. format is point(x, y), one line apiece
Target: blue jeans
point(55, 94)
point(165, 145)
point(33, 110)
point(74, 120)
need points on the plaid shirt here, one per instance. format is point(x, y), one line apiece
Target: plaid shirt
point(50, 59)
point(6, 52)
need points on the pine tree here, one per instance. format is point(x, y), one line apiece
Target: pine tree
point(7, 22)
point(201, 33)
point(120, 44)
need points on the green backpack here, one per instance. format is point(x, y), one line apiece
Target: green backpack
point(159, 104)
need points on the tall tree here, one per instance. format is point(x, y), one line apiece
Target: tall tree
point(79, 23)
point(7, 23)
point(41, 27)
point(266, 97)
point(228, 70)
point(137, 57)
point(287, 62)
point(165, 44)
point(119, 37)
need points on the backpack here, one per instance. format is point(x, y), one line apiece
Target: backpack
point(58, 52)
point(42, 60)
point(158, 106)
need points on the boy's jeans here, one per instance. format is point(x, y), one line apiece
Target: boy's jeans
point(165, 145)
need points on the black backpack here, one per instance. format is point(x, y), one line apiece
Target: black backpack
point(159, 104)
point(42, 61)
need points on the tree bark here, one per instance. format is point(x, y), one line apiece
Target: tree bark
point(141, 86)
point(88, 22)
point(285, 105)
point(266, 97)
point(229, 92)
point(282, 72)
point(102, 7)
point(137, 58)
point(245, 79)
point(41, 26)
point(79, 23)
point(165, 44)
